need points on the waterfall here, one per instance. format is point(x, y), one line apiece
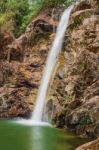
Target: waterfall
point(50, 65)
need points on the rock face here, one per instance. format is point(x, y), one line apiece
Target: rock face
point(75, 91)
point(6, 38)
point(94, 145)
point(21, 64)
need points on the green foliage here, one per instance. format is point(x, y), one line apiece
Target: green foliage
point(34, 9)
point(82, 66)
point(55, 3)
point(79, 19)
point(18, 13)
point(68, 2)
point(52, 3)
point(5, 14)
point(86, 120)
point(5, 17)
point(13, 11)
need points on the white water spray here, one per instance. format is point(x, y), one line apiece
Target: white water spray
point(50, 65)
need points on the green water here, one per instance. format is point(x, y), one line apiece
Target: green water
point(20, 137)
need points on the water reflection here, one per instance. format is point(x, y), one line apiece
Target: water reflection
point(43, 138)
point(37, 137)
point(19, 137)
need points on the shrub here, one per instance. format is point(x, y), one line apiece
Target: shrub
point(16, 14)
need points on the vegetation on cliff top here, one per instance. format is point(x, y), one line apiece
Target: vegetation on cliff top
point(16, 14)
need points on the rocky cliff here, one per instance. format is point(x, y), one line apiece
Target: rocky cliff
point(21, 64)
point(74, 96)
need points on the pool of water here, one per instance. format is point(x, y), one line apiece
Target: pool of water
point(15, 136)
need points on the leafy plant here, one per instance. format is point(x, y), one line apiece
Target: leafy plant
point(18, 13)
point(86, 121)
point(79, 19)
point(13, 10)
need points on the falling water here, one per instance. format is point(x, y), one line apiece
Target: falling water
point(50, 65)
